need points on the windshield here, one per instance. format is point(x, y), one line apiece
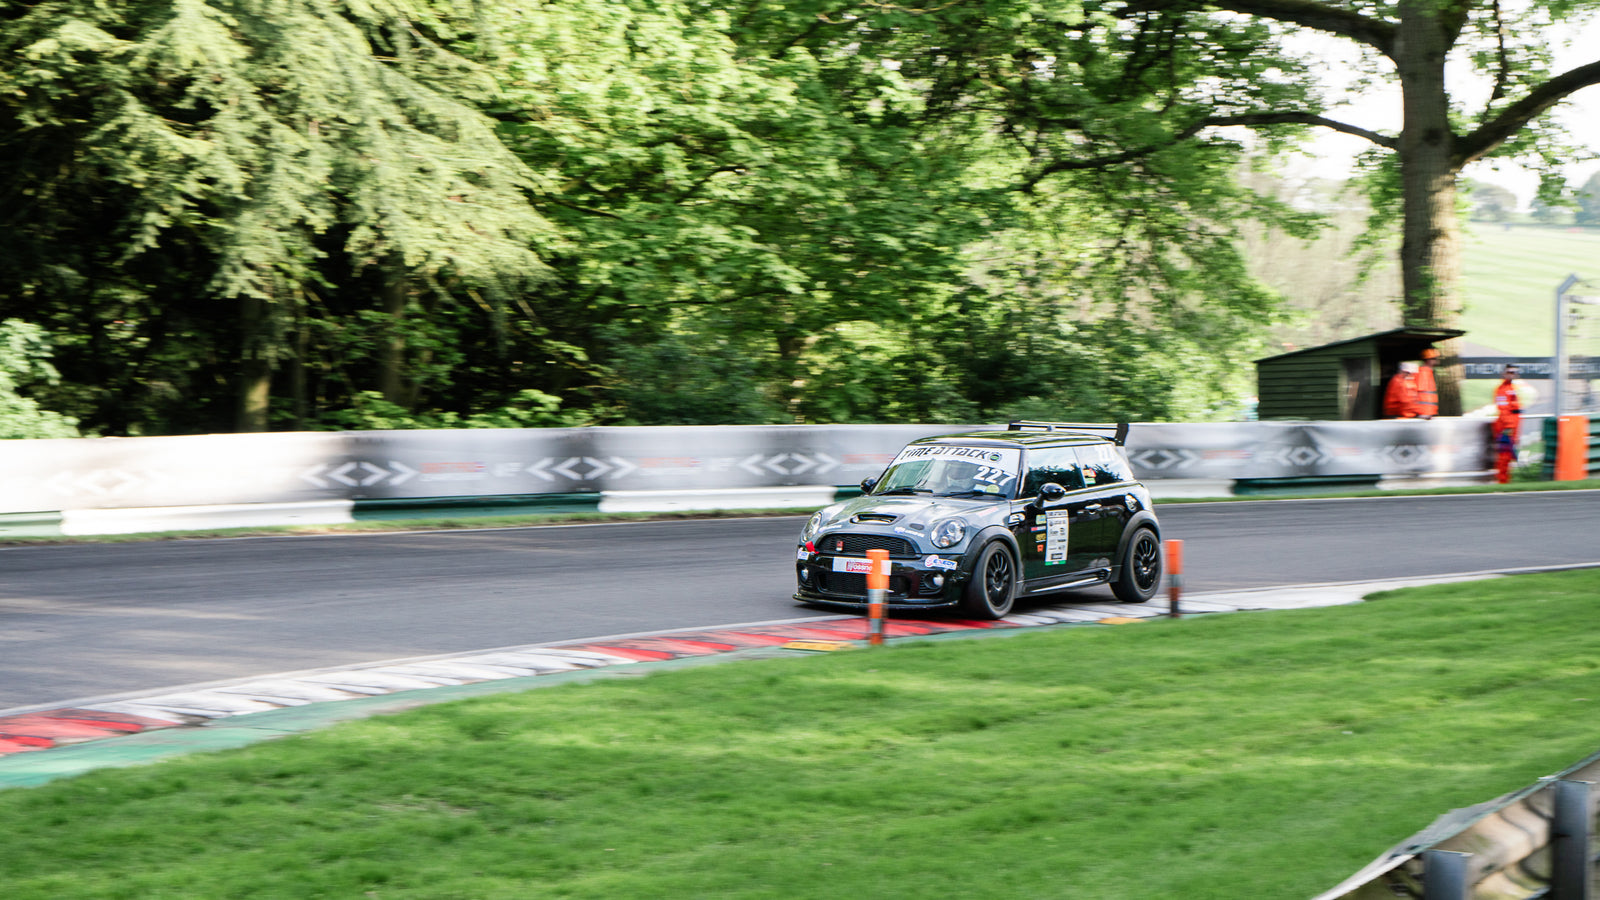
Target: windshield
point(952, 471)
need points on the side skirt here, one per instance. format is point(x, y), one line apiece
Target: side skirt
point(1095, 576)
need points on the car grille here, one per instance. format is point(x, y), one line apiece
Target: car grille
point(855, 584)
point(859, 544)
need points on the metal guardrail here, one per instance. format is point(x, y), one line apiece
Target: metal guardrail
point(1534, 843)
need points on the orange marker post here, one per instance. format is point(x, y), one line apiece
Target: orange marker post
point(1174, 577)
point(877, 590)
point(1572, 448)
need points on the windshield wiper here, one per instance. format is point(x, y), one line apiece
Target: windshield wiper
point(973, 493)
point(904, 490)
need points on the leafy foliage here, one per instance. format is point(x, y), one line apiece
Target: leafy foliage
point(413, 213)
point(1589, 201)
point(25, 360)
point(1491, 203)
point(230, 160)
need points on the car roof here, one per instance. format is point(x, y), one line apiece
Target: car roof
point(1016, 438)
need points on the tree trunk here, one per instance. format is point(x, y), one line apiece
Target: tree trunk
point(255, 366)
point(1447, 376)
point(297, 363)
point(1430, 248)
point(391, 360)
point(790, 343)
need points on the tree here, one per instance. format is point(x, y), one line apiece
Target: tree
point(1589, 201)
point(1437, 138)
point(726, 201)
point(1332, 291)
point(414, 212)
point(1550, 212)
point(189, 176)
point(1491, 202)
point(818, 192)
point(1107, 276)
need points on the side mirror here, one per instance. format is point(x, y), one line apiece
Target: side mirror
point(1049, 492)
point(867, 484)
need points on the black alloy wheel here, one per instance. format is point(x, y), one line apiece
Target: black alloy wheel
point(993, 588)
point(1141, 568)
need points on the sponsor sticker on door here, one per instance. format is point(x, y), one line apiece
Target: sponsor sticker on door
point(1055, 543)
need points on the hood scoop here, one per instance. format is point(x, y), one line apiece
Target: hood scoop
point(873, 517)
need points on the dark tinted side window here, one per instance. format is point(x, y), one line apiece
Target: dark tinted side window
point(1058, 464)
point(1102, 464)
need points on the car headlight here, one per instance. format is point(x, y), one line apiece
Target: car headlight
point(947, 533)
point(813, 525)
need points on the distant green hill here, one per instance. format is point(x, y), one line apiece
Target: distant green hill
point(1509, 278)
point(1510, 275)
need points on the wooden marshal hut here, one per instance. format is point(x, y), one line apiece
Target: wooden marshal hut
point(1343, 381)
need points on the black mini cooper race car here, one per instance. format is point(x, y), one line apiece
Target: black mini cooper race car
point(975, 521)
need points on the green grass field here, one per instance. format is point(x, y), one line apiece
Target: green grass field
point(1510, 278)
point(1509, 281)
point(1242, 755)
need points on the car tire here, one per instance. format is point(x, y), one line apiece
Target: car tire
point(1141, 568)
point(992, 589)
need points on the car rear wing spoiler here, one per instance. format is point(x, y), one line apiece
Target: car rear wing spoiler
point(1118, 433)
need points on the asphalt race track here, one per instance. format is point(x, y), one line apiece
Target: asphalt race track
point(96, 619)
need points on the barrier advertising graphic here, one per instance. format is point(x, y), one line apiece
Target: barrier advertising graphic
point(209, 470)
point(1308, 449)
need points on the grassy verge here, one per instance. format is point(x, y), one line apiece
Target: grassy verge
point(1245, 755)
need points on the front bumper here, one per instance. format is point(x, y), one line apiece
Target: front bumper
point(928, 581)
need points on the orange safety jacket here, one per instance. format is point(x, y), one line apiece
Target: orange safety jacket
point(1427, 404)
point(1508, 409)
point(1400, 398)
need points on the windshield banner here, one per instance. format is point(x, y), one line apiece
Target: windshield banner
point(1000, 457)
